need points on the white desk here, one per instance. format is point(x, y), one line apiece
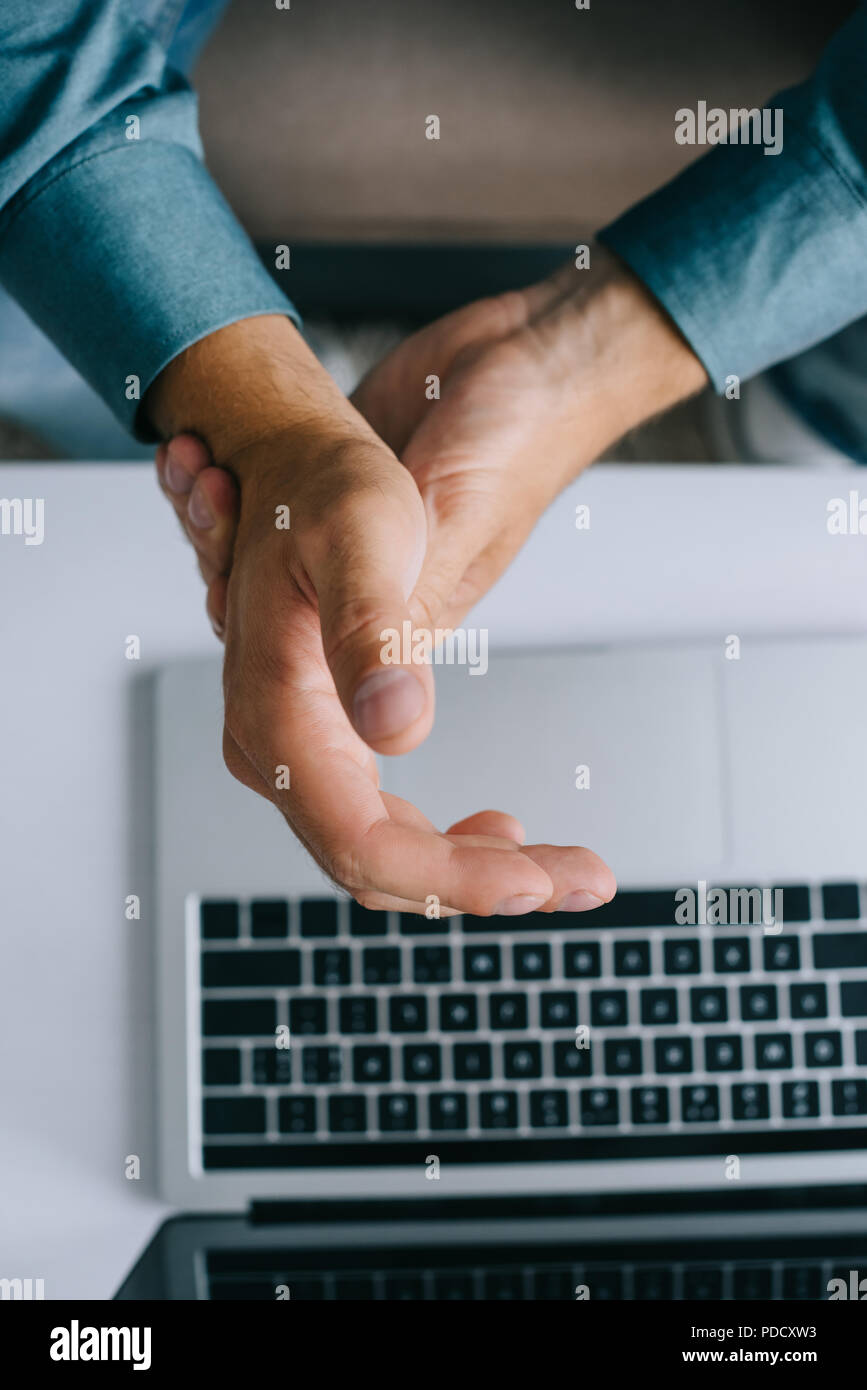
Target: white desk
point(670, 552)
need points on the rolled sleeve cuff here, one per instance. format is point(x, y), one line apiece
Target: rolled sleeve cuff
point(755, 257)
point(125, 259)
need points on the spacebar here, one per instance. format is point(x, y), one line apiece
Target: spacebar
point(840, 950)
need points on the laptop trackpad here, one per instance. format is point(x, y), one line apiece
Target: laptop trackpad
point(638, 730)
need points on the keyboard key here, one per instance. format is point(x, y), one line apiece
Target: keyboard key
point(753, 1283)
point(653, 1283)
point(823, 1049)
point(319, 917)
point(861, 1047)
point(508, 1010)
point(307, 1015)
point(758, 1003)
point(551, 1285)
point(380, 965)
point(702, 1284)
point(417, 924)
point(808, 1001)
point(365, 922)
point(709, 1005)
point(532, 962)
point(371, 1065)
point(272, 1066)
point(432, 965)
point(658, 1006)
point(238, 1017)
point(782, 953)
point(221, 1066)
point(357, 1014)
point(723, 1054)
point(296, 1115)
point(581, 960)
point(853, 998)
point(773, 1051)
point(498, 1110)
point(522, 1059)
point(422, 1062)
point(796, 902)
point(321, 1066)
point(234, 1115)
point(404, 1289)
point(242, 969)
point(750, 1102)
point(347, 1114)
point(672, 1055)
point(482, 963)
point(699, 1104)
point(632, 957)
point(840, 950)
point(604, 1282)
point(608, 1008)
point(570, 1060)
point(623, 1057)
point(800, 1100)
point(649, 1105)
point(220, 921)
point(269, 917)
point(840, 902)
point(397, 1113)
point(731, 955)
point(502, 1286)
point(558, 1009)
point(599, 1106)
point(849, 1097)
point(549, 1109)
point(682, 957)
point(407, 1013)
point(454, 1288)
point(458, 1013)
point(803, 1283)
point(634, 908)
point(332, 966)
point(447, 1110)
point(472, 1061)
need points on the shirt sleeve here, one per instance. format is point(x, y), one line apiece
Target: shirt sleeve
point(759, 256)
point(113, 236)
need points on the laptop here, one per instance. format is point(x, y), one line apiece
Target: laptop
point(664, 1098)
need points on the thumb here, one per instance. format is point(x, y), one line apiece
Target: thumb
point(363, 564)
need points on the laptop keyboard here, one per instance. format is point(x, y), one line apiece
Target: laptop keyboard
point(271, 1274)
point(324, 1022)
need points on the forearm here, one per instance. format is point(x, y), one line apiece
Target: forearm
point(616, 353)
point(250, 385)
point(113, 236)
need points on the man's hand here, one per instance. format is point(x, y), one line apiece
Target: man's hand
point(532, 386)
point(307, 696)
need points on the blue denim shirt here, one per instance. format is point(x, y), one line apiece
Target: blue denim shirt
point(113, 236)
point(758, 257)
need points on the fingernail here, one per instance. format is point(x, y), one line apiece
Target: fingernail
point(580, 902)
point(387, 703)
point(177, 477)
point(199, 512)
point(523, 902)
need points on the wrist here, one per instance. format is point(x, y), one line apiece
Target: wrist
point(628, 360)
point(251, 384)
